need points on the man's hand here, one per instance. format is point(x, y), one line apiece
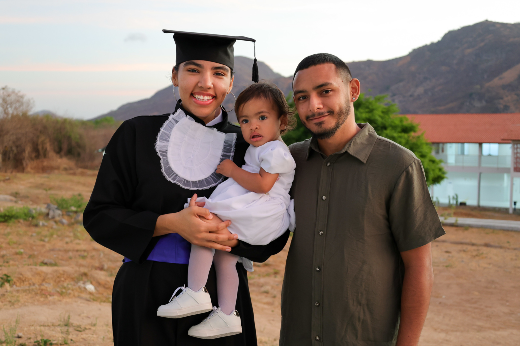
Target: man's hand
point(194, 224)
point(226, 168)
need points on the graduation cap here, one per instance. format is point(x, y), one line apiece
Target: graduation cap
point(209, 47)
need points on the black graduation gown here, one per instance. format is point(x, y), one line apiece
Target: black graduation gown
point(129, 195)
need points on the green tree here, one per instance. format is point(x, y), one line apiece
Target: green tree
point(382, 114)
point(104, 121)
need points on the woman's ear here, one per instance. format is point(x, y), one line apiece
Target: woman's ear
point(231, 84)
point(175, 77)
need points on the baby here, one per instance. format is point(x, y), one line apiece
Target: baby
point(256, 200)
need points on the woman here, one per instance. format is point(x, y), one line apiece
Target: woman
point(152, 165)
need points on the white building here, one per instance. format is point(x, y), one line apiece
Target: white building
point(481, 154)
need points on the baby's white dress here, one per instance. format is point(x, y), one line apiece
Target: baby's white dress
point(257, 218)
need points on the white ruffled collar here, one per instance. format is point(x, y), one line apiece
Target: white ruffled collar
point(190, 152)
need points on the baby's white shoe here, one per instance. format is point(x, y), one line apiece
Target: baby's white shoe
point(217, 325)
point(187, 303)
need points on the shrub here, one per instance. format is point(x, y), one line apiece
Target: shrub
point(5, 279)
point(27, 138)
point(13, 213)
point(75, 201)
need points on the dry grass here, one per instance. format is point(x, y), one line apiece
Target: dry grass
point(46, 144)
point(478, 213)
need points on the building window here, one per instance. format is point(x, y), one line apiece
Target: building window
point(496, 155)
point(495, 190)
point(489, 149)
point(458, 186)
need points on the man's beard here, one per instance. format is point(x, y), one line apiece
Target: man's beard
point(342, 116)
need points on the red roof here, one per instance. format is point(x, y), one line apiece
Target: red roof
point(469, 128)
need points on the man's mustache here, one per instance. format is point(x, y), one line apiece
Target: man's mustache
point(317, 115)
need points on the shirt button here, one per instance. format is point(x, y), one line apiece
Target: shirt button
point(317, 303)
point(318, 269)
point(317, 338)
point(324, 197)
point(320, 232)
point(328, 164)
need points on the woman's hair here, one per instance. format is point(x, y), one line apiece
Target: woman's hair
point(271, 92)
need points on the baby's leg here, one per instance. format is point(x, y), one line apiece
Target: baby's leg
point(199, 266)
point(227, 280)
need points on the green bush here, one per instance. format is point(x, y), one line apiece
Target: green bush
point(104, 122)
point(13, 213)
point(66, 204)
point(5, 279)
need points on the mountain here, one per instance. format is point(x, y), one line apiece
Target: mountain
point(474, 69)
point(163, 101)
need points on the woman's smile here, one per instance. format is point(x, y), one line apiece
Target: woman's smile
point(202, 98)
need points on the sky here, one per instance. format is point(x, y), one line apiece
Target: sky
point(83, 58)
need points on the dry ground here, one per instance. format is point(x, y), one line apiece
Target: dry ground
point(475, 301)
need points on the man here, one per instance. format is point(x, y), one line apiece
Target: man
point(359, 269)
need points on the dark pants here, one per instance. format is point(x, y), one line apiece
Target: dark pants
point(139, 289)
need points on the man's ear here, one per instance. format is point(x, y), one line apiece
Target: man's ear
point(355, 88)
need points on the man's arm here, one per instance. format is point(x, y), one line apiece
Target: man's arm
point(415, 299)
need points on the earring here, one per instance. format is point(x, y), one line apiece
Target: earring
point(232, 109)
point(174, 96)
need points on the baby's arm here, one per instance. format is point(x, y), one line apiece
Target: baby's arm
point(256, 182)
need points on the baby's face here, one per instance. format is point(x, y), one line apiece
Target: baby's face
point(259, 121)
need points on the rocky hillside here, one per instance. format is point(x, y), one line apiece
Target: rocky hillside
point(474, 69)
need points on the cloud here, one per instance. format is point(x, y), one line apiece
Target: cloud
point(135, 37)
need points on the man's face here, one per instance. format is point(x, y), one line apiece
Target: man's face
point(322, 99)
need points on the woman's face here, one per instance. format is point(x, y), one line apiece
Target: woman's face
point(203, 86)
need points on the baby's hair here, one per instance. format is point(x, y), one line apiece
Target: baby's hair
point(271, 92)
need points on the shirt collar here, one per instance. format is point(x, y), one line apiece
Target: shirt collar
point(217, 120)
point(360, 146)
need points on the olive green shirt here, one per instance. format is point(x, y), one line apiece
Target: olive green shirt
point(356, 210)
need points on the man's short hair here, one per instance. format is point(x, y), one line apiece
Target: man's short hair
point(325, 58)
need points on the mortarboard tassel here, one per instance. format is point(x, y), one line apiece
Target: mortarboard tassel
point(255, 72)
point(255, 65)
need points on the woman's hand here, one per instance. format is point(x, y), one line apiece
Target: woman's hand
point(226, 168)
point(223, 231)
point(194, 224)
